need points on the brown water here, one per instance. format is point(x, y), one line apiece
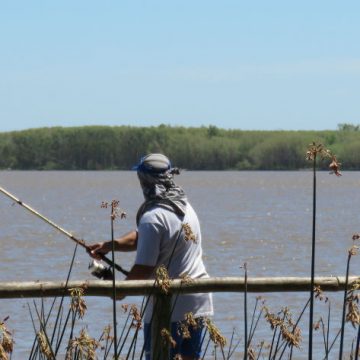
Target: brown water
point(261, 218)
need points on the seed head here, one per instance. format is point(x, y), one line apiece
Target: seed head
point(189, 235)
point(272, 319)
point(105, 336)
point(186, 279)
point(162, 279)
point(356, 237)
point(317, 325)
point(6, 341)
point(355, 285)
point(137, 320)
point(190, 320)
point(353, 250)
point(319, 294)
point(214, 333)
point(3, 354)
point(353, 313)
point(292, 335)
point(184, 331)
point(84, 345)
point(314, 150)
point(44, 346)
point(335, 166)
point(78, 304)
point(116, 211)
point(167, 338)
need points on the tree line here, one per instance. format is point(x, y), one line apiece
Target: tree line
point(200, 148)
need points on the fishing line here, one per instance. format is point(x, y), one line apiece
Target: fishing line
point(68, 234)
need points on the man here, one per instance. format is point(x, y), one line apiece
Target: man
point(168, 234)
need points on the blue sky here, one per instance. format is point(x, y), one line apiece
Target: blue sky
point(288, 65)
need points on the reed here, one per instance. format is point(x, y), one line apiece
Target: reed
point(245, 314)
point(314, 152)
point(351, 252)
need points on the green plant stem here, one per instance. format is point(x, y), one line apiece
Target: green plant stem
point(245, 316)
point(59, 325)
point(114, 281)
point(222, 352)
point(134, 351)
point(328, 332)
point(272, 342)
point(344, 307)
point(133, 343)
point(278, 339)
point(203, 338)
point(253, 325)
point(33, 323)
point(125, 338)
point(43, 329)
point(63, 331)
point(296, 324)
point(311, 316)
point(357, 344)
point(206, 348)
point(323, 331)
point(230, 345)
point(62, 298)
point(234, 349)
point(31, 356)
point(123, 329)
point(260, 351)
point(334, 341)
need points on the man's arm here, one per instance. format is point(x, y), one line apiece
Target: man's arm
point(126, 243)
point(140, 272)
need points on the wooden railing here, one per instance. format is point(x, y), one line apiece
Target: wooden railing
point(34, 289)
point(161, 317)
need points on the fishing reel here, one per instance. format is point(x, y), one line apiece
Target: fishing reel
point(100, 271)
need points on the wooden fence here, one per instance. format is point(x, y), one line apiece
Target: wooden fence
point(161, 318)
point(34, 289)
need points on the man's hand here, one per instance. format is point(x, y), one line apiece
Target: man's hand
point(98, 249)
point(127, 242)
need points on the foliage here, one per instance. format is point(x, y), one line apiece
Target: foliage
point(204, 148)
point(348, 127)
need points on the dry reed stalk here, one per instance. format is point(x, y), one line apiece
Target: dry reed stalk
point(314, 152)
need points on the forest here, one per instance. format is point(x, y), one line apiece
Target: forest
point(197, 148)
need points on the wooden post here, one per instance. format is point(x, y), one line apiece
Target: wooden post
point(161, 321)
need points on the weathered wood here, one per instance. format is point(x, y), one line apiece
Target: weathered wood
point(217, 284)
point(161, 320)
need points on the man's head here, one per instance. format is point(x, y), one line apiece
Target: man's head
point(156, 176)
point(154, 164)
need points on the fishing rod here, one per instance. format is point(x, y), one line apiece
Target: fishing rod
point(71, 236)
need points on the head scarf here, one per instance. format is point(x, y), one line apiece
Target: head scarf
point(159, 189)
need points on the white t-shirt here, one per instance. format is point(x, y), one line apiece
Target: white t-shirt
point(158, 232)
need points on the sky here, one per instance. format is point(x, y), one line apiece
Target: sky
point(251, 65)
